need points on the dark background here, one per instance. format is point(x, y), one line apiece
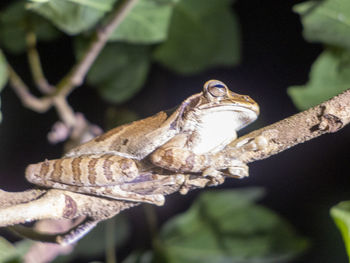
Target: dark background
point(302, 183)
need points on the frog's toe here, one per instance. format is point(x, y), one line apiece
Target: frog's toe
point(157, 199)
point(239, 171)
point(211, 172)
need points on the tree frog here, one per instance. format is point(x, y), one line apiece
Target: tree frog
point(132, 161)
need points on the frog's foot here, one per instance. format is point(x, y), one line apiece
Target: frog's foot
point(216, 177)
point(192, 182)
point(258, 143)
point(121, 193)
point(238, 171)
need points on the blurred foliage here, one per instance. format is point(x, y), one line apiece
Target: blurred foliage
point(16, 21)
point(120, 71)
point(13, 253)
point(225, 226)
point(341, 216)
point(147, 22)
point(186, 36)
point(72, 17)
point(327, 22)
point(329, 76)
point(202, 34)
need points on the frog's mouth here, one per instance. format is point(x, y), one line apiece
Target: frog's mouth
point(252, 109)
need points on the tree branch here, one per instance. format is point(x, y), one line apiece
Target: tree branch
point(327, 117)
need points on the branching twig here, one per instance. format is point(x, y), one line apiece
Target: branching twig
point(76, 76)
point(22, 91)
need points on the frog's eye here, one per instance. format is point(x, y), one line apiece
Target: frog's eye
point(217, 89)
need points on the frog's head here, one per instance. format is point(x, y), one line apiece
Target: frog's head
point(219, 98)
point(215, 115)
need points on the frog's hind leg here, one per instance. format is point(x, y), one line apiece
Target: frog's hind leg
point(117, 192)
point(148, 188)
point(111, 191)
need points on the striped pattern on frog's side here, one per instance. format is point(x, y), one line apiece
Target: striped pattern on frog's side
point(85, 170)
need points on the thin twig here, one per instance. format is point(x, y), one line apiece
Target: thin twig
point(35, 65)
point(65, 111)
point(22, 91)
point(77, 74)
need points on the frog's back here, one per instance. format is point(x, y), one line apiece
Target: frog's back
point(133, 140)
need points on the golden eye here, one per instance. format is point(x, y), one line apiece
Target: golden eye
point(217, 89)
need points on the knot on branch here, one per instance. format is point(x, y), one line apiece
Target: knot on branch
point(70, 208)
point(329, 122)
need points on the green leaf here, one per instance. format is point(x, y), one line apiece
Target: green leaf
point(202, 34)
point(147, 22)
point(16, 21)
point(329, 76)
point(120, 71)
point(7, 250)
point(326, 21)
point(341, 216)
point(226, 226)
point(72, 17)
point(13, 253)
point(3, 74)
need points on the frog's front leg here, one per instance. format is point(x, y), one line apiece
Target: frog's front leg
point(184, 160)
point(235, 169)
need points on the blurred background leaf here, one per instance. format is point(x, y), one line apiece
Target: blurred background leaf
point(202, 34)
point(147, 22)
point(327, 22)
point(341, 216)
point(72, 17)
point(120, 71)
point(16, 21)
point(12, 253)
point(228, 226)
point(329, 76)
